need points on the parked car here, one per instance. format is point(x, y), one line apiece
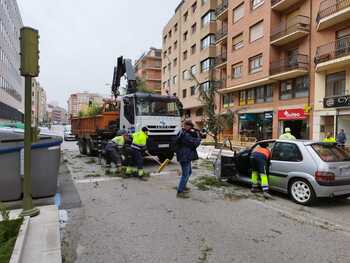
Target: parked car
point(304, 170)
point(68, 135)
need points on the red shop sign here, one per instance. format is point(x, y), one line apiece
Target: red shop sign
point(292, 114)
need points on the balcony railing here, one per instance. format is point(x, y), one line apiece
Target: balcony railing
point(221, 7)
point(222, 32)
point(336, 49)
point(298, 61)
point(298, 23)
point(329, 7)
point(220, 59)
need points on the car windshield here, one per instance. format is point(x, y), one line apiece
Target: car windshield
point(331, 153)
point(153, 107)
point(67, 128)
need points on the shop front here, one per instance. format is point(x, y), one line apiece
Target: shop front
point(338, 115)
point(256, 125)
point(296, 120)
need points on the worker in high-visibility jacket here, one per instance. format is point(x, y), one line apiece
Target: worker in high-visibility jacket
point(114, 150)
point(329, 138)
point(287, 135)
point(138, 146)
point(259, 161)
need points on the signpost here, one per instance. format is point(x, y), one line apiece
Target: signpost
point(29, 42)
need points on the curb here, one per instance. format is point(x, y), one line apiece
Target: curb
point(17, 252)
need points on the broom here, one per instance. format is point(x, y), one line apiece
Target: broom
point(161, 165)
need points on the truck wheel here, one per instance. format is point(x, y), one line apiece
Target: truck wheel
point(163, 157)
point(82, 147)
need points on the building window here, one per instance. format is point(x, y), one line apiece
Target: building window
point(238, 13)
point(175, 27)
point(228, 100)
point(335, 84)
point(193, 49)
point(185, 16)
point(164, 39)
point(208, 41)
point(250, 96)
point(294, 88)
point(204, 2)
point(237, 70)
point(263, 94)
point(194, 70)
point(170, 33)
point(164, 69)
point(242, 97)
point(185, 35)
point(194, 7)
point(184, 93)
point(169, 50)
point(194, 28)
point(175, 45)
point(164, 54)
point(175, 62)
point(185, 55)
point(207, 64)
point(255, 64)
point(174, 80)
point(256, 3)
point(193, 90)
point(237, 42)
point(205, 86)
point(256, 31)
point(208, 17)
point(184, 74)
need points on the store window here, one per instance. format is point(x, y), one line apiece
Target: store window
point(256, 125)
point(294, 88)
point(335, 84)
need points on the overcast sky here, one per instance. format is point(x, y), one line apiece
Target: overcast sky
point(81, 39)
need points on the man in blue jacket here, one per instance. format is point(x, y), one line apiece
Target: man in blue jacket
point(186, 144)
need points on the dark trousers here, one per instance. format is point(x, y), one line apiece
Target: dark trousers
point(113, 154)
point(185, 176)
point(138, 158)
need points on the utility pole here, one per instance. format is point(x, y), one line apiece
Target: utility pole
point(29, 41)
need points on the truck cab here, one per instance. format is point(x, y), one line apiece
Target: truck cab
point(160, 114)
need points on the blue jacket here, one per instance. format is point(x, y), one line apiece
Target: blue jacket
point(186, 145)
point(341, 138)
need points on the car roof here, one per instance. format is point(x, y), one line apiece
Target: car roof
point(303, 142)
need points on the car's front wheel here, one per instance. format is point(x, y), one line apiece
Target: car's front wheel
point(302, 192)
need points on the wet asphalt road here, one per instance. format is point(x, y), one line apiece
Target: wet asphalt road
point(126, 220)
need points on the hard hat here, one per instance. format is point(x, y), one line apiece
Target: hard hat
point(288, 130)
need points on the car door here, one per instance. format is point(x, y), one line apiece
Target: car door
point(286, 158)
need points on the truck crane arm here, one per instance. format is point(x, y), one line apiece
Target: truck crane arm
point(124, 68)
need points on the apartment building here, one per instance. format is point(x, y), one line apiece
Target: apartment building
point(148, 68)
point(267, 74)
point(189, 47)
point(56, 114)
point(39, 102)
point(11, 86)
point(331, 51)
point(80, 101)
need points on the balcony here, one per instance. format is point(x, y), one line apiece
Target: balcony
point(299, 27)
point(221, 34)
point(292, 67)
point(221, 10)
point(221, 60)
point(282, 5)
point(332, 12)
point(333, 55)
point(221, 84)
